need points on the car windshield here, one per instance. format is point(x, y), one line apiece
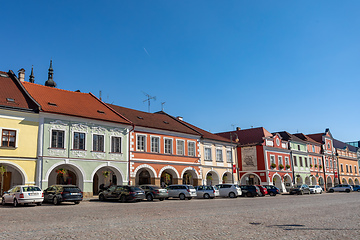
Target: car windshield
point(155, 187)
point(191, 187)
point(30, 189)
point(311, 186)
point(72, 189)
point(136, 189)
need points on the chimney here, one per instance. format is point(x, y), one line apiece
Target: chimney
point(180, 118)
point(21, 75)
point(238, 128)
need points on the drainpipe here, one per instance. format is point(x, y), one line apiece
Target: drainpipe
point(129, 152)
point(292, 164)
point(323, 163)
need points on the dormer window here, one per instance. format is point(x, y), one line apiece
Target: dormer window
point(10, 100)
point(166, 122)
point(52, 104)
point(99, 111)
point(140, 117)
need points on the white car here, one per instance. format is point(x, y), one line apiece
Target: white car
point(315, 189)
point(229, 190)
point(23, 194)
point(181, 191)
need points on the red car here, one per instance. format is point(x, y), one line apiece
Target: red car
point(263, 190)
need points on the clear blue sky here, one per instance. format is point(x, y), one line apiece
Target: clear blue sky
point(283, 65)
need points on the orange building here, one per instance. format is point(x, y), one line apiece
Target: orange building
point(348, 163)
point(163, 150)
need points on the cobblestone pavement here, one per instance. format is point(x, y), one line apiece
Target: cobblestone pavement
point(325, 216)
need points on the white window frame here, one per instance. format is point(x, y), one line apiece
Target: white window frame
point(205, 155)
point(137, 143)
point(64, 140)
point(16, 138)
point(179, 143)
point(191, 142)
point(229, 159)
point(92, 141)
point(287, 161)
point(280, 161)
point(111, 144)
point(295, 161)
point(73, 140)
point(272, 159)
point(172, 145)
point(221, 155)
point(306, 162)
point(151, 144)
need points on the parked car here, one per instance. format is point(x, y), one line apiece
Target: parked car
point(206, 192)
point(300, 189)
point(154, 192)
point(341, 188)
point(356, 188)
point(23, 194)
point(263, 190)
point(122, 193)
point(229, 190)
point(250, 191)
point(181, 191)
point(272, 190)
point(57, 194)
point(315, 189)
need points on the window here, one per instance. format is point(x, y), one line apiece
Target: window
point(347, 168)
point(228, 156)
point(98, 143)
point(306, 162)
point(287, 161)
point(342, 168)
point(295, 162)
point(141, 143)
point(155, 144)
point(191, 149)
point(272, 159)
point(116, 144)
point(315, 162)
point(79, 141)
point(355, 169)
point(350, 169)
point(207, 154)
point(327, 163)
point(57, 139)
point(180, 147)
point(280, 160)
point(335, 164)
point(219, 155)
point(8, 138)
point(300, 161)
point(330, 163)
point(168, 146)
point(310, 161)
point(328, 146)
point(298, 147)
point(313, 148)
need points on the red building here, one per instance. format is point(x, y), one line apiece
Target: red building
point(263, 158)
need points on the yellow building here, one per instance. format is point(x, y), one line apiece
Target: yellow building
point(19, 123)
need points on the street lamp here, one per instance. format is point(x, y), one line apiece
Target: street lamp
point(232, 164)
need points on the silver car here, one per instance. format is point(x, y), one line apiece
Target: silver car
point(341, 188)
point(206, 192)
point(181, 191)
point(229, 190)
point(23, 194)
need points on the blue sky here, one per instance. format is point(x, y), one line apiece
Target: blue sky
point(283, 65)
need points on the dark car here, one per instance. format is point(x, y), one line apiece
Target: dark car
point(300, 189)
point(272, 190)
point(263, 190)
point(356, 188)
point(63, 193)
point(249, 191)
point(122, 193)
point(154, 192)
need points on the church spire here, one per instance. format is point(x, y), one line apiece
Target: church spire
point(50, 82)
point(31, 77)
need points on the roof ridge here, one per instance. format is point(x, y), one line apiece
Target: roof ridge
point(54, 88)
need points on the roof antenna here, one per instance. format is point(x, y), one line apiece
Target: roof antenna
point(162, 106)
point(148, 99)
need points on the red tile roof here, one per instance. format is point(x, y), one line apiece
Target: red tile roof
point(13, 95)
point(252, 136)
point(306, 138)
point(86, 105)
point(159, 120)
point(317, 137)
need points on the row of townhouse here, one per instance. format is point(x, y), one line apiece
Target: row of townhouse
point(53, 136)
point(283, 159)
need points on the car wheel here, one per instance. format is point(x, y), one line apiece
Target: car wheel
point(3, 201)
point(15, 203)
point(182, 196)
point(39, 203)
point(301, 193)
point(232, 195)
point(161, 199)
point(347, 190)
point(358, 190)
point(206, 196)
point(77, 202)
point(122, 198)
point(56, 201)
point(101, 197)
point(149, 197)
point(272, 194)
point(331, 190)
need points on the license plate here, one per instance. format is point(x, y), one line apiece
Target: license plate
point(74, 193)
point(32, 194)
point(140, 193)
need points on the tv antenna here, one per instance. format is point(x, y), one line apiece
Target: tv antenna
point(148, 99)
point(162, 106)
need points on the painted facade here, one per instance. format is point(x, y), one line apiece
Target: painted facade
point(348, 172)
point(19, 123)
